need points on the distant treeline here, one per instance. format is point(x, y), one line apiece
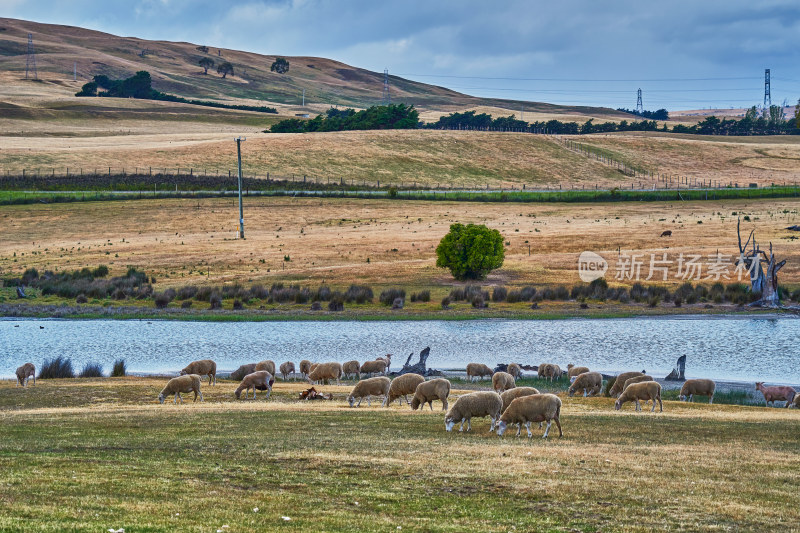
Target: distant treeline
point(388, 117)
point(140, 86)
point(754, 123)
point(658, 114)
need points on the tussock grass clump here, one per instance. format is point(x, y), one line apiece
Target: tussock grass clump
point(360, 294)
point(499, 294)
point(237, 305)
point(422, 296)
point(162, 299)
point(323, 294)
point(259, 292)
point(215, 300)
point(186, 304)
point(119, 369)
point(81, 299)
point(388, 296)
point(186, 292)
point(337, 302)
point(58, 368)
point(91, 370)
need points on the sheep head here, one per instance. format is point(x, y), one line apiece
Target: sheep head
point(414, 403)
point(449, 422)
point(161, 397)
point(618, 404)
point(351, 400)
point(501, 428)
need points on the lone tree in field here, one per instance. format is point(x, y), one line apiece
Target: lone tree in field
point(471, 251)
point(202, 48)
point(761, 282)
point(281, 66)
point(206, 63)
point(225, 69)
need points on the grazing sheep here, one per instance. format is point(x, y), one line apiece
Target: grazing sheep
point(326, 372)
point(373, 367)
point(24, 373)
point(268, 365)
point(619, 384)
point(401, 387)
point(636, 379)
point(366, 388)
point(477, 370)
point(184, 383)
point(775, 393)
point(204, 367)
point(575, 371)
point(547, 370)
point(517, 392)
point(794, 402)
point(351, 369)
point(305, 368)
point(647, 390)
point(242, 371)
point(534, 408)
point(502, 381)
point(698, 387)
point(427, 391)
point(386, 359)
point(515, 370)
point(287, 369)
point(312, 367)
point(477, 404)
point(591, 383)
point(258, 380)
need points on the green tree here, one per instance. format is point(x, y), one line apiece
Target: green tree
point(206, 63)
point(471, 251)
point(281, 66)
point(225, 69)
point(203, 49)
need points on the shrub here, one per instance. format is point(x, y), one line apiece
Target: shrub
point(215, 300)
point(92, 370)
point(204, 294)
point(161, 300)
point(446, 302)
point(561, 293)
point(323, 294)
point(654, 301)
point(302, 296)
point(259, 292)
point(81, 299)
point(186, 292)
point(120, 368)
point(422, 296)
point(514, 297)
point(186, 304)
point(527, 293)
point(388, 296)
point(499, 294)
point(623, 296)
point(57, 368)
point(360, 294)
point(684, 290)
point(100, 272)
point(478, 302)
point(237, 305)
point(471, 251)
point(678, 301)
point(639, 293)
point(337, 302)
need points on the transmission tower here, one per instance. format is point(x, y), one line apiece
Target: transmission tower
point(767, 95)
point(30, 64)
point(387, 99)
point(639, 106)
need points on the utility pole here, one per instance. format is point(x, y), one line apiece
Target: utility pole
point(241, 211)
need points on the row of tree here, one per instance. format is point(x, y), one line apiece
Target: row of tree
point(659, 114)
point(388, 117)
point(770, 122)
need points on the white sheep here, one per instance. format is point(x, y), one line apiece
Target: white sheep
point(268, 365)
point(24, 373)
point(373, 367)
point(204, 367)
point(698, 387)
point(258, 380)
point(325, 372)
point(287, 369)
point(534, 408)
point(427, 391)
point(575, 371)
point(402, 386)
point(591, 383)
point(351, 369)
point(305, 368)
point(184, 383)
point(478, 371)
point(646, 390)
point(619, 384)
point(517, 392)
point(515, 370)
point(477, 404)
point(243, 371)
point(366, 388)
point(502, 381)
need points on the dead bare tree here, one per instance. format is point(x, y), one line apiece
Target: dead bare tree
point(764, 283)
point(419, 367)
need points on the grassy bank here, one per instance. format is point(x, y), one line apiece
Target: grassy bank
point(89, 455)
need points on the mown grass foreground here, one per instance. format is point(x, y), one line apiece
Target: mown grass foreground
point(92, 455)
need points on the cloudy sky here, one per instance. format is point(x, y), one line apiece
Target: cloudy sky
point(683, 54)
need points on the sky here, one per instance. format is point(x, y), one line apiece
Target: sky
point(683, 54)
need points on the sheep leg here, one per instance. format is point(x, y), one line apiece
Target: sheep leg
point(547, 430)
point(369, 402)
point(558, 423)
point(461, 427)
point(201, 395)
point(528, 427)
point(711, 399)
point(638, 405)
point(660, 404)
point(444, 405)
point(359, 402)
point(519, 428)
point(491, 426)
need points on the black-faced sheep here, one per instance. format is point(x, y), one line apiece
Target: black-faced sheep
point(305, 368)
point(367, 388)
point(204, 367)
point(428, 391)
point(324, 372)
point(698, 387)
point(534, 408)
point(401, 387)
point(591, 383)
point(287, 369)
point(24, 373)
point(351, 369)
point(475, 404)
point(258, 380)
point(619, 384)
point(477, 371)
point(243, 371)
point(517, 392)
point(645, 391)
point(185, 383)
point(268, 365)
point(502, 381)
point(373, 367)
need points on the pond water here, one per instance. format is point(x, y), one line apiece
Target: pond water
point(729, 348)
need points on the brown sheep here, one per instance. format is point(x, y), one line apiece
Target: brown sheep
point(591, 383)
point(517, 392)
point(551, 371)
point(351, 369)
point(373, 367)
point(647, 390)
point(427, 391)
point(305, 368)
point(326, 372)
point(619, 384)
point(287, 369)
point(243, 371)
point(367, 388)
point(698, 387)
point(24, 373)
point(185, 383)
point(477, 371)
point(575, 371)
point(401, 387)
point(204, 367)
point(267, 365)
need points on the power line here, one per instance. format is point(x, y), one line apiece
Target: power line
point(589, 80)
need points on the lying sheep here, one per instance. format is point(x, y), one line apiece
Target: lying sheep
point(204, 367)
point(575, 371)
point(477, 371)
point(647, 390)
point(515, 370)
point(591, 383)
point(24, 373)
point(401, 387)
point(534, 408)
point(258, 380)
point(698, 387)
point(305, 368)
point(184, 383)
point(242, 371)
point(502, 381)
point(636, 379)
point(775, 393)
point(477, 404)
point(325, 372)
point(366, 388)
point(268, 365)
point(351, 369)
point(373, 367)
point(287, 369)
point(619, 384)
point(517, 392)
point(427, 391)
